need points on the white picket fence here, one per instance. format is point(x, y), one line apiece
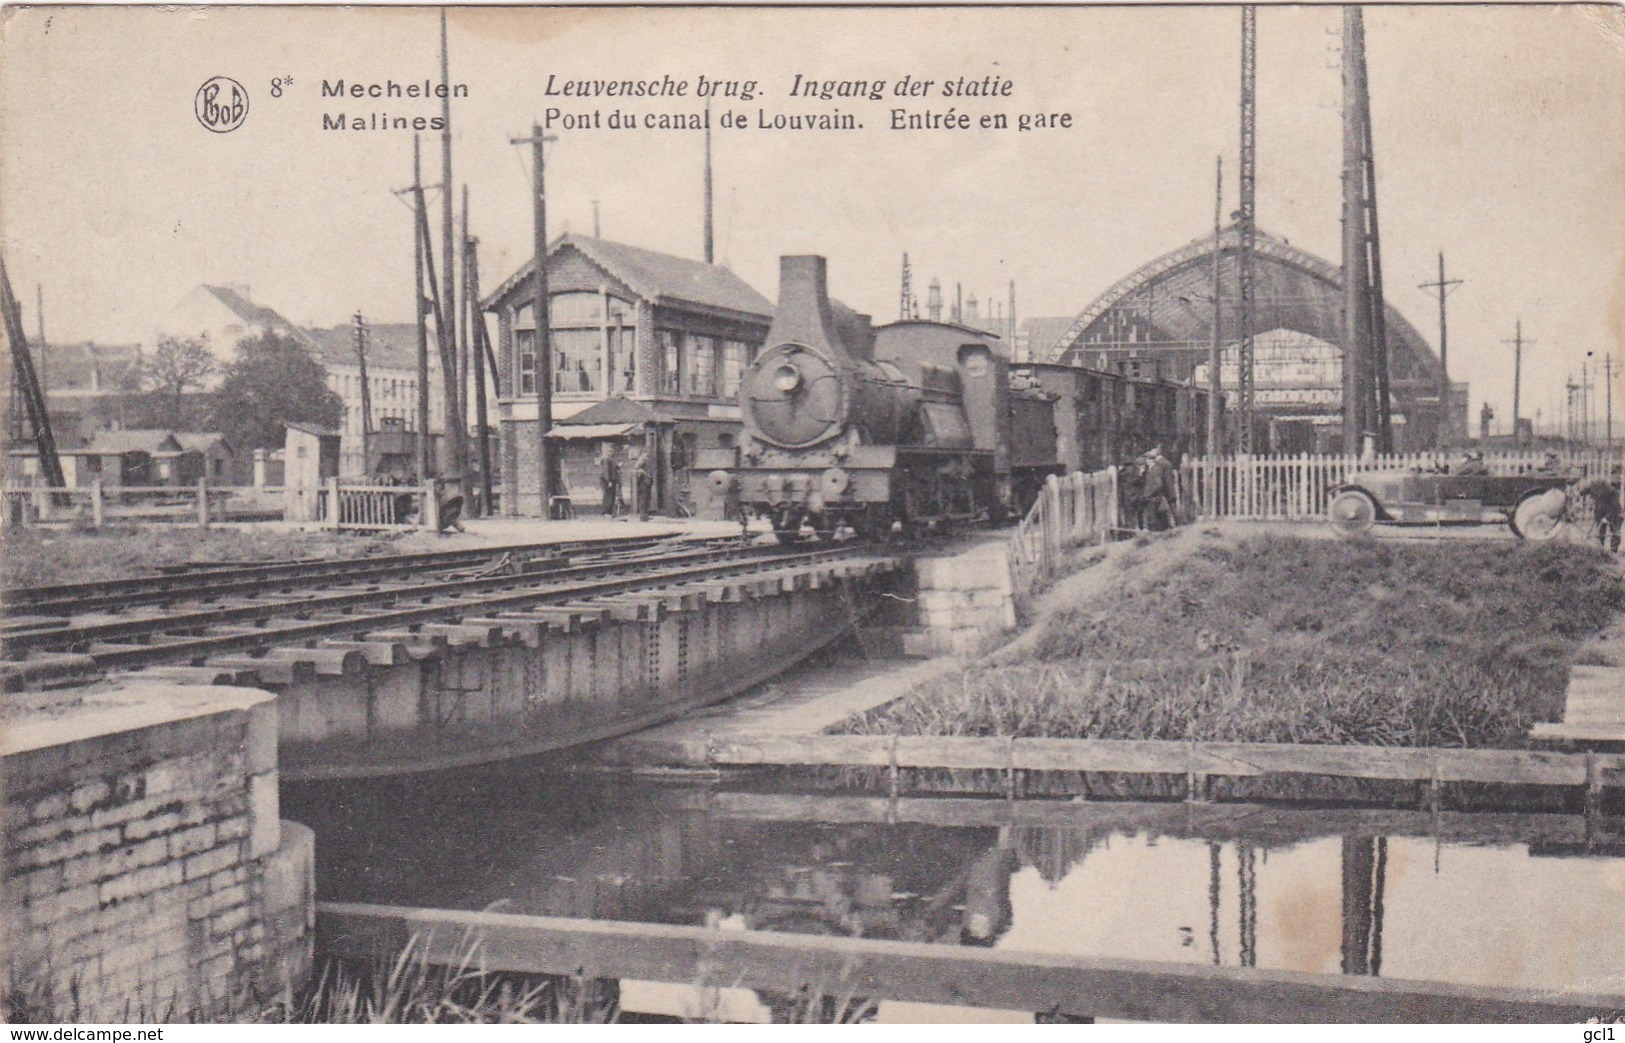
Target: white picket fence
point(1285, 488)
point(1069, 512)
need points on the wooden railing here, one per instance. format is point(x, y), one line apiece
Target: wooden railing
point(98, 504)
point(874, 969)
point(1285, 488)
point(376, 507)
point(1069, 512)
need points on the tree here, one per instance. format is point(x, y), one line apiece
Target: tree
point(176, 366)
point(272, 383)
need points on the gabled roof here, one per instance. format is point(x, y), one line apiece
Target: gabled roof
point(390, 345)
point(617, 410)
point(201, 441)
point(314, 429)
point(116, 443)
point(654, 276)
point(251, 313)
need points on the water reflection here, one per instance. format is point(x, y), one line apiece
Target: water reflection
point(1401, 894)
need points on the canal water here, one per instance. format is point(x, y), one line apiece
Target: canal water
point(1507, 900)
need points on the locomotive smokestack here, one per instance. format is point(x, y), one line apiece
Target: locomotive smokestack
point(804, 315)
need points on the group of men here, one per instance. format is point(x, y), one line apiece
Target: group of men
point(1156, 498)
point(609, 482)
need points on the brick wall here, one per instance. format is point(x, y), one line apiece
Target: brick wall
point(147, 875)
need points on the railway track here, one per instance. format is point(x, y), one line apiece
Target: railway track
point(338, 629)
point(202, 584)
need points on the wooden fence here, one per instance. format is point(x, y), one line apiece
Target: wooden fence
point(376, 507)
point(97, 505)
point(1195, 761)
point(1071, 511)
point(1137, 990)
point(1286, 488)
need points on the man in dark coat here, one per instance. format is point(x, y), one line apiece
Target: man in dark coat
point(1159, 492)
point(609, 480)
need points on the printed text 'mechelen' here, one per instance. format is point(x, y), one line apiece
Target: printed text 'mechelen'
point(391, 89)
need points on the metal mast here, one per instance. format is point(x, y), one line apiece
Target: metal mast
point(28, 385)
point(1214, 354)
point(905, 299)
point(1249, 173)
point(1357, 390)
point(1382, 408)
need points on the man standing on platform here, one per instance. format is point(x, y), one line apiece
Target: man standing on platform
point(609, 480)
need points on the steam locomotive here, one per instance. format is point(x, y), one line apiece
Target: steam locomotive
point(919, 425)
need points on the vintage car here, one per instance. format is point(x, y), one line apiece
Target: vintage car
point(1533, 505)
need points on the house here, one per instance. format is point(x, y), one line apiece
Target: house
point(392, 385)
point(220, 317)
point(668, 332)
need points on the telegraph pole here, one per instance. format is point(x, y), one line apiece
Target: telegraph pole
point(366, 394)
point(544, 341)
point(1517, 343)
point(477, 349)
point(1608, 397)
point(710, 238)
point(1442, 289)
point(1214, 354)
point(418, 221)
point(453, 378)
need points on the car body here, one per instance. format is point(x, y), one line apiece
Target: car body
point(1532, 504)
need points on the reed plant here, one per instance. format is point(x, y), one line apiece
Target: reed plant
point(1284, 639)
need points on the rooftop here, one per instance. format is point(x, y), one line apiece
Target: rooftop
point(654, 276)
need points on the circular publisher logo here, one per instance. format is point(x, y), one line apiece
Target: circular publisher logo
point(221, 104)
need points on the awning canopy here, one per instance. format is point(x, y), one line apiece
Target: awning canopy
point(593, 432)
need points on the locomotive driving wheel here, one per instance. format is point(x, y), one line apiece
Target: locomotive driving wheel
point(1351, 512)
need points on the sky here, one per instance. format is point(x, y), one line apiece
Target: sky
point(1499, 139)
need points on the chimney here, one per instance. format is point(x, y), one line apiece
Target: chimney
point(803, 315)
point(933, 301)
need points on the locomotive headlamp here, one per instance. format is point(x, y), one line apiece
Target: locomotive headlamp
point(787, 378)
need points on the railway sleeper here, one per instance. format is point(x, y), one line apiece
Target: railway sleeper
point(564, 620)
point(634, 610)
point(327, 662)
point(465, 635)
point(194, 675)
point(268, 670)
point(377, 653)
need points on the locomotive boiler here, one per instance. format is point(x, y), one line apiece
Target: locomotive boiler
point(844, 427)
point(916, 425)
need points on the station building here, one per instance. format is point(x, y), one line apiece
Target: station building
point(668, 335)
point(1157, 321)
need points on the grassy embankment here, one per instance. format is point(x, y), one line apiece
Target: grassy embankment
point(1286, 639)
point(31, 557)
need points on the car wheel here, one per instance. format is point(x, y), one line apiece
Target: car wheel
point(1351, 512)
point(1539, 516)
